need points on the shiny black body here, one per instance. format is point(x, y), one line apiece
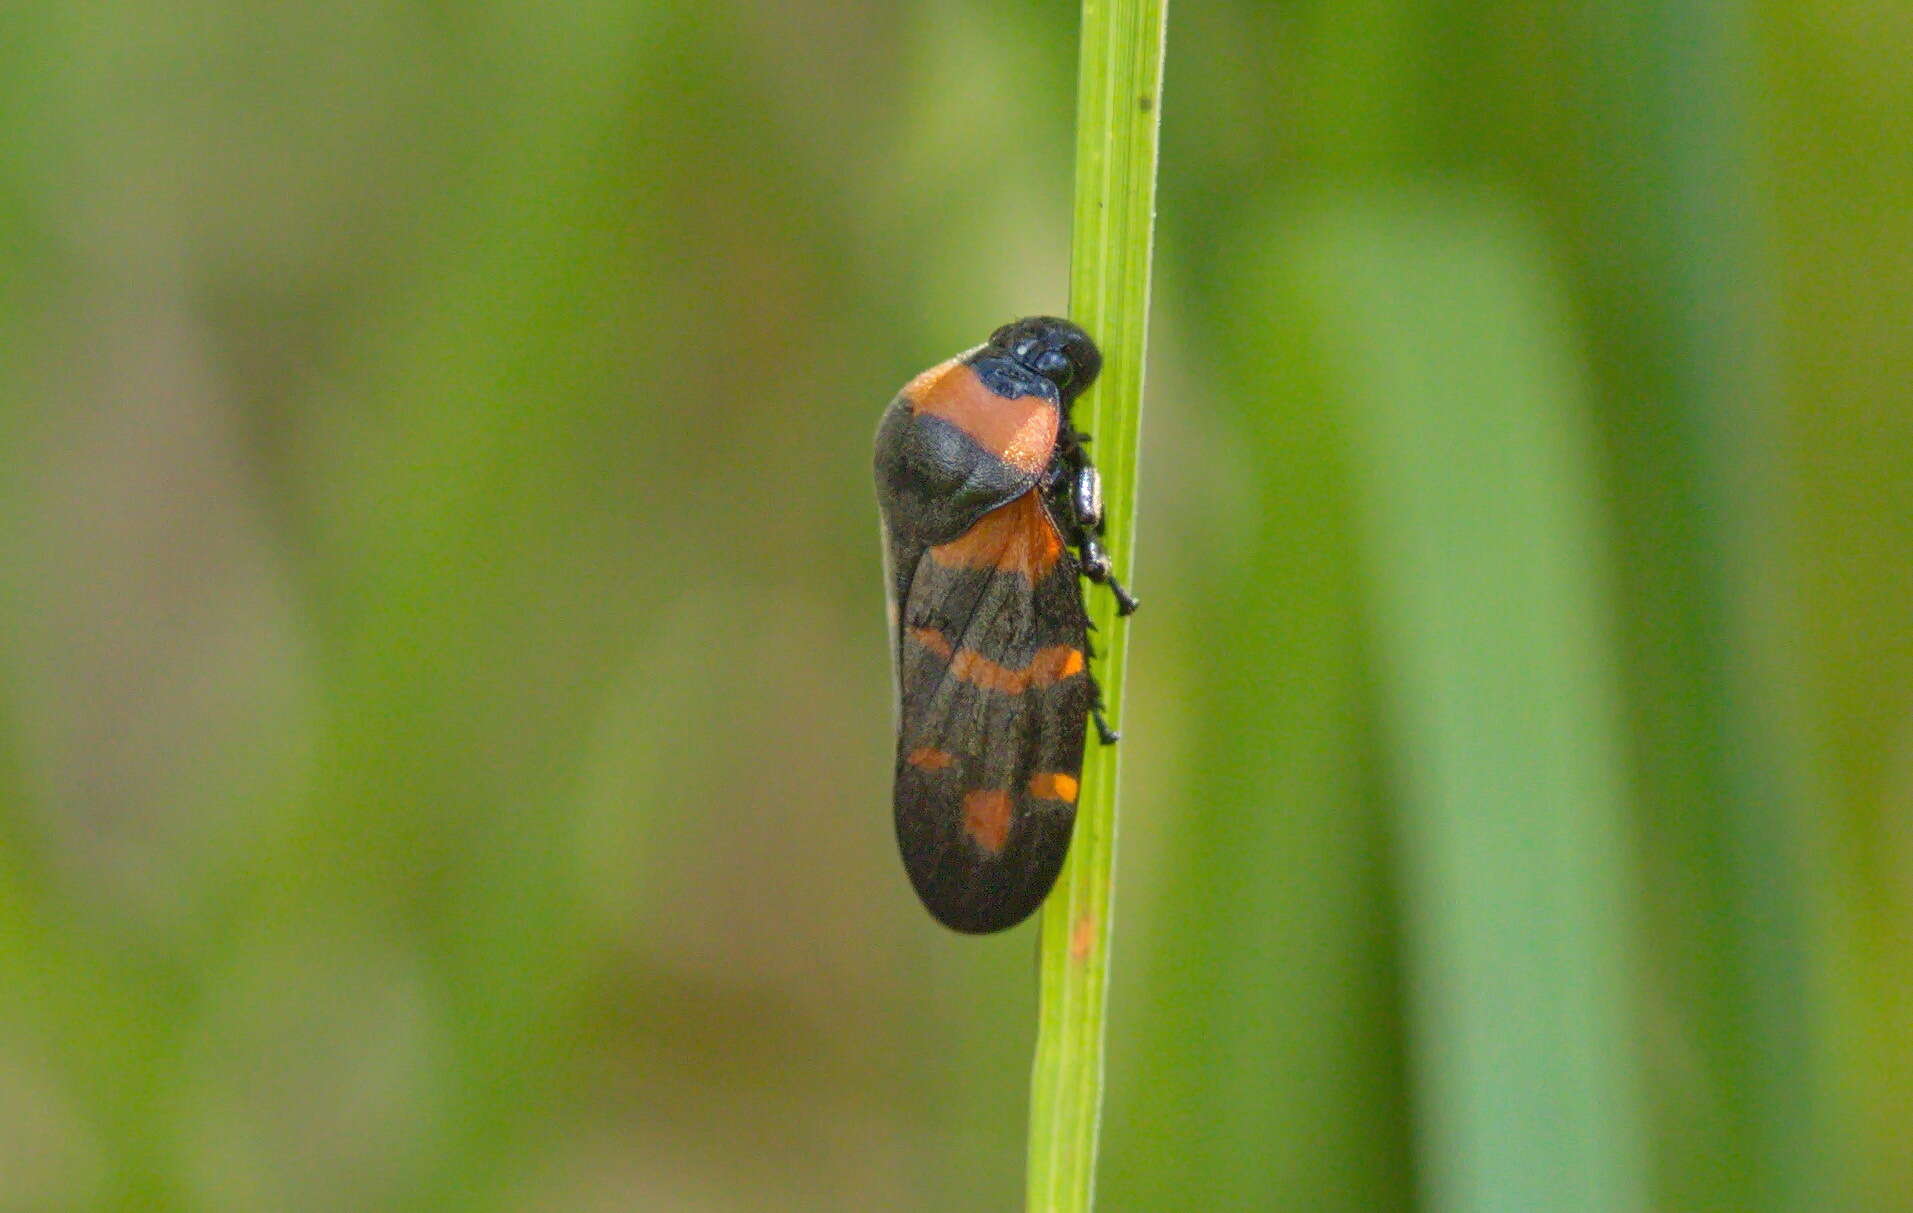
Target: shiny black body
point(991, 515)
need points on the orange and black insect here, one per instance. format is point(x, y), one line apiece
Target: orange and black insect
point(992, 513)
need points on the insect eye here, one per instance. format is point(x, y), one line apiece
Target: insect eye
point(1055, 366)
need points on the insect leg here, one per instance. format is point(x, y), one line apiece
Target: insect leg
point(1075, 491)
point(1096, 567)
point(1126, 602)
point(1104, 733)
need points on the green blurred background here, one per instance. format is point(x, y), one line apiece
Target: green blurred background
point(444, 725)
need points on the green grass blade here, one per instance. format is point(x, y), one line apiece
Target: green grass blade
point(1679, 293)
point(1257, 1057)
point(1475, 465)
point(1118, 92)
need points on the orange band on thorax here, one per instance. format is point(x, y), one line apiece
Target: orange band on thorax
point(1020, 431)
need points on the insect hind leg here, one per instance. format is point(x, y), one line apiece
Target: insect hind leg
point(1104, 733)
point(1096, 567)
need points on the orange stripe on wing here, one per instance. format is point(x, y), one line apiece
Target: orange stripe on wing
point(1014, 538)
point(1021, 431)
point(933, 640)
point(1047, 666)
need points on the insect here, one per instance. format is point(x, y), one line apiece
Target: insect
point(992, 513)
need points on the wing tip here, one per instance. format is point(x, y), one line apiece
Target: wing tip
point(966, 883)
point(969, 917)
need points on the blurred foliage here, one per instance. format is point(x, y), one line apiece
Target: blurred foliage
point(443, 709)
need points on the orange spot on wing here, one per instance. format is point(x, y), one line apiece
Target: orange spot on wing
point(1053, 785)
point(986, 819)
point(929, 758)
point(1016, 537)
point(1063, 661)
point(1021, 431)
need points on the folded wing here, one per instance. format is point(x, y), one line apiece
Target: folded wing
point(995, 696)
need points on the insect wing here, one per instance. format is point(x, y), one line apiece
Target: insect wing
point(994, 697)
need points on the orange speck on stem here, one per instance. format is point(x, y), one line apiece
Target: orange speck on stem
point(1082, 937)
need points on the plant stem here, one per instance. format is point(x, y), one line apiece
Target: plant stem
point(1117, 108)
